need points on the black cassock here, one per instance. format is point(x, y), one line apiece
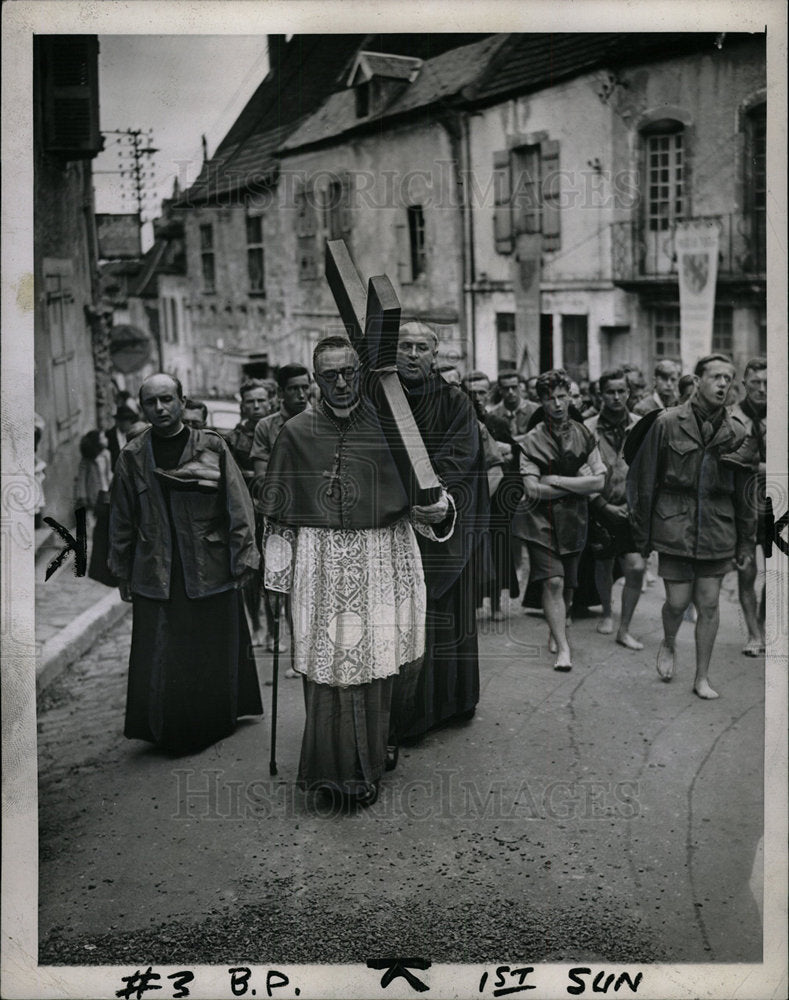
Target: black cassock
point(447, 686)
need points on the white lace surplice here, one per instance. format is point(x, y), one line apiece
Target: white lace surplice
point(358, 603)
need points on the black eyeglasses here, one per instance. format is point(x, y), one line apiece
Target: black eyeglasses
point(334, 373)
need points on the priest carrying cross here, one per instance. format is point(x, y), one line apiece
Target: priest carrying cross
point(432, 431)
point(339, 538)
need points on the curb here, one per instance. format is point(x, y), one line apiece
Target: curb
point(77, 637)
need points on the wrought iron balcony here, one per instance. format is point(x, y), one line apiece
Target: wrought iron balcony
point(642, 254)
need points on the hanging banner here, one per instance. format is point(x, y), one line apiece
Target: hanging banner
point(526, 275)
point(696, 246)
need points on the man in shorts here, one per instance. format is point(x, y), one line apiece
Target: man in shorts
point(686, 489)
point(609, 511)
point(561, 466)
point(753, 410)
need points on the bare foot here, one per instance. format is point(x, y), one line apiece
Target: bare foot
point(564, 660)
point(606, 625)
point(753, 647)
point(291, 673)
point(626, 639)
point(552, 647)
point(703, 690)
point(666, 662)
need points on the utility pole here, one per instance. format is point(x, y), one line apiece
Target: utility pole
point(133, 167)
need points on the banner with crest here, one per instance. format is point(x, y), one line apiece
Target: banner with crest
point(696, 245)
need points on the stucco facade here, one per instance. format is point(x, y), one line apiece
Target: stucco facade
point(611, 279)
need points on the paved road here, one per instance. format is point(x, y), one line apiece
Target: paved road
point(593, 815)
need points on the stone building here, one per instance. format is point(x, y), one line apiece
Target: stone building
point(520, 190)
point(253, 224)
point(72, 391)
point(601, 144)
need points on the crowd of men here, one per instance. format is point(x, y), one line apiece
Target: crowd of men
point(302, 516)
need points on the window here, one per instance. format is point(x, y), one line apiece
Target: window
point(255, 260)
point(332, 210)
point(575, 354)
point(526, 200)
point(174, 321)
point(322, 213)
point(416, 240)
point(722, 331)
point(62, 334)
point(665, 175)
point(665, 332)
point(207, 257)
point(762, 335)
point(306, 232)
point(505, 341)
point(526, 189)
point(362, 94)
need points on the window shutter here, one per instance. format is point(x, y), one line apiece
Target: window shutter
point(551, 195)
point(403, 253)
point(502, 198)
point(71, 96)
point(306, 227)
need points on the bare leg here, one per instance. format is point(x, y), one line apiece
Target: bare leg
point(678, 597)
point(746, 578)
point(604, 581)
point(633, 565)
point(706, 595)
point(555, 609)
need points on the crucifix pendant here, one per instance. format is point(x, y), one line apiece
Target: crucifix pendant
point(334, 475)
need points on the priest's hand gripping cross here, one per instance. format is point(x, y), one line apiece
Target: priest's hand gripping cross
point(372, 319)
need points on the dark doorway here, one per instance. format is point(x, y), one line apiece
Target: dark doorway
point(546, 341)
point(574, 346)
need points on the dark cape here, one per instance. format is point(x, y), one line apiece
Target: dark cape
point(192, 671)
point(447, 686)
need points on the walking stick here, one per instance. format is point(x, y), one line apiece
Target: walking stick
point(272, 767)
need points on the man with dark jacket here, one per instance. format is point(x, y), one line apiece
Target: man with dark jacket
point(752, 411)
point(608, 510)
point(686, 490)
point(125, 417)
point(181, 544)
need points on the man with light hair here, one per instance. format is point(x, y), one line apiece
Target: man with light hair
point(687, 495)
point(664, 391)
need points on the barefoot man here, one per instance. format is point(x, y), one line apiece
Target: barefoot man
point(609, 509)
point(561, 467)
point(687, 493)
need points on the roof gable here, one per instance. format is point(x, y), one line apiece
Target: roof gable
point(366, 65)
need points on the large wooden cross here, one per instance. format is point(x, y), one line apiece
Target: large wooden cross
point(372, 319)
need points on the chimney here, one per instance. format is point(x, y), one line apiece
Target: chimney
point(276, 50)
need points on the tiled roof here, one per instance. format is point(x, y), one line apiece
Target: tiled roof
point(438, 79)
point(311, 67)
point(528, 62)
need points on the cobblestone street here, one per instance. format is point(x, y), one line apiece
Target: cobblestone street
point(598, 814)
